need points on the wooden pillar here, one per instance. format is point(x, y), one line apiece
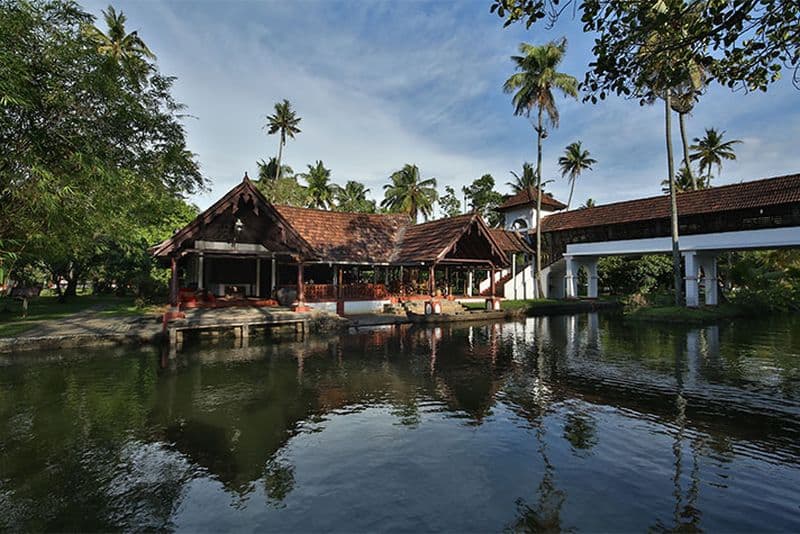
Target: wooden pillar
point(200, 272)
point(301, 298)
point(492, 282)
point(273, 280)
point(470, 283)
point(258, 277)
point(432, 281)
point(447, 279)
point(173, 283)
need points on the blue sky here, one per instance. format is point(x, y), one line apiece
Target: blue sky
point(380, 84)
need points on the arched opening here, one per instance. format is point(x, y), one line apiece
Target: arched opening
point(519, 224)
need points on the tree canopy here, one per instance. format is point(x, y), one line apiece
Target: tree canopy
point(743, 44)
point(89, 154)
point(409, 193)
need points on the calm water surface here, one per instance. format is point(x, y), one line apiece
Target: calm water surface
point(580, 423)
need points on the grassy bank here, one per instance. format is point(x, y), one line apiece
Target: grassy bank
point(47, 308)
point(681, 314)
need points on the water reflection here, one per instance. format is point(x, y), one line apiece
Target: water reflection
point(551, 423)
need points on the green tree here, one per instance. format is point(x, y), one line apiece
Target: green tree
point(320, 191)
point(743, 44)
point(352, 198)
point(408, 193)
point(449, 202)
point(283, 190)
point(526, 180)
point(711, 150)
point(574, 161)
point(270, 171)
point(83, 145)
point(590, 203)
point(533, 84)
point(126, 49)
point(685, 181)
point(283, 121)
point(484, 199)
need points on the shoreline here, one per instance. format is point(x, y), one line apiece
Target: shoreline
point(147, 331)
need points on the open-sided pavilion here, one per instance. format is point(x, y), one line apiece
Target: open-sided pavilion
point(243, 250)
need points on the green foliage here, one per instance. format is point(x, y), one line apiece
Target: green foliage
point(574, 161)
point(449, 202)
point(526, 180)
point(711, 150)
point(91, 141)
point(284, 190)
point(284, 121)
point(352, 198)
point(629, 276)
point(320, 191)
point(484, 199)
point(742, 44)
point(766, 280)
point(408, 193)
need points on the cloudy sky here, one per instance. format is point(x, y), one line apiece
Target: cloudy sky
point(380, 84)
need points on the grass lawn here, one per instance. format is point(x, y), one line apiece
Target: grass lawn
point(681, 314)
point(48, 308)
point(516, 304)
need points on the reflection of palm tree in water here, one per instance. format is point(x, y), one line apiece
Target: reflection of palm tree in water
point(546, 515)
point(686, 514)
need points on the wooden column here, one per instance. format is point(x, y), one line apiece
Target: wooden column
point(200, 272)
point(173, 283)
point(301, 298)
point(493, 283)
point(273, 280)
point(432, 281)
point(258, 277)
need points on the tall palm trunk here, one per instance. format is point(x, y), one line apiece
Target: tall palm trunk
point(571, 190)
point(280, 154)
point(685, 141)
point(539, 291)
point(676, 253)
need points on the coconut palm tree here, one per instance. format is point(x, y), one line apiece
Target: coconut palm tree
point(590, 203)
point(711, 150)
point(267, 170)
point(353, 198)
point(526, 180)
point(126, 49)
point(574, 161)
point(320, 190)
point(283, 121)
point(533, 84)
point(407, 193)
point(685, 181)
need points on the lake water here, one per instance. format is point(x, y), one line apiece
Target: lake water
point(579, 423)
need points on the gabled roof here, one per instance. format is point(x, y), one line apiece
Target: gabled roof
point(528, 197)
point(340, 237)
point(745, 195)
point(351, 237)
point(433, 240)
point(245, 190)
point(510, 241)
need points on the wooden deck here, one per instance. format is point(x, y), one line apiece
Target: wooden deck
point(240, 320)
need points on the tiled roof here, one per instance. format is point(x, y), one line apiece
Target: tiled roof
point(528, 196)
point(432, 240)
point(745, 195)
point(353, 237)
point(509, 241)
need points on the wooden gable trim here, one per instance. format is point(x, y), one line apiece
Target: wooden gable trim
point(246, 191)
point(483, 229)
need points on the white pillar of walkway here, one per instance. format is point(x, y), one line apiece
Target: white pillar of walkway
point(591, 268)
point(514, 273)
point(692, 268)
point(571, 277)
point(708, 262)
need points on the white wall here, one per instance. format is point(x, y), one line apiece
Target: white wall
point(351, 307)
point(526, 213)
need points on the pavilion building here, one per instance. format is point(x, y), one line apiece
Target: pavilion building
point(244, 250)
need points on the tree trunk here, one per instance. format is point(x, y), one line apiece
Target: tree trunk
point(676, 253)
point(280, 155)
point(540, 292)
point(685, 141)
point(571, 190)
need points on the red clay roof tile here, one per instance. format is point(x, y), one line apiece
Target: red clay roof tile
point(528, 196)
